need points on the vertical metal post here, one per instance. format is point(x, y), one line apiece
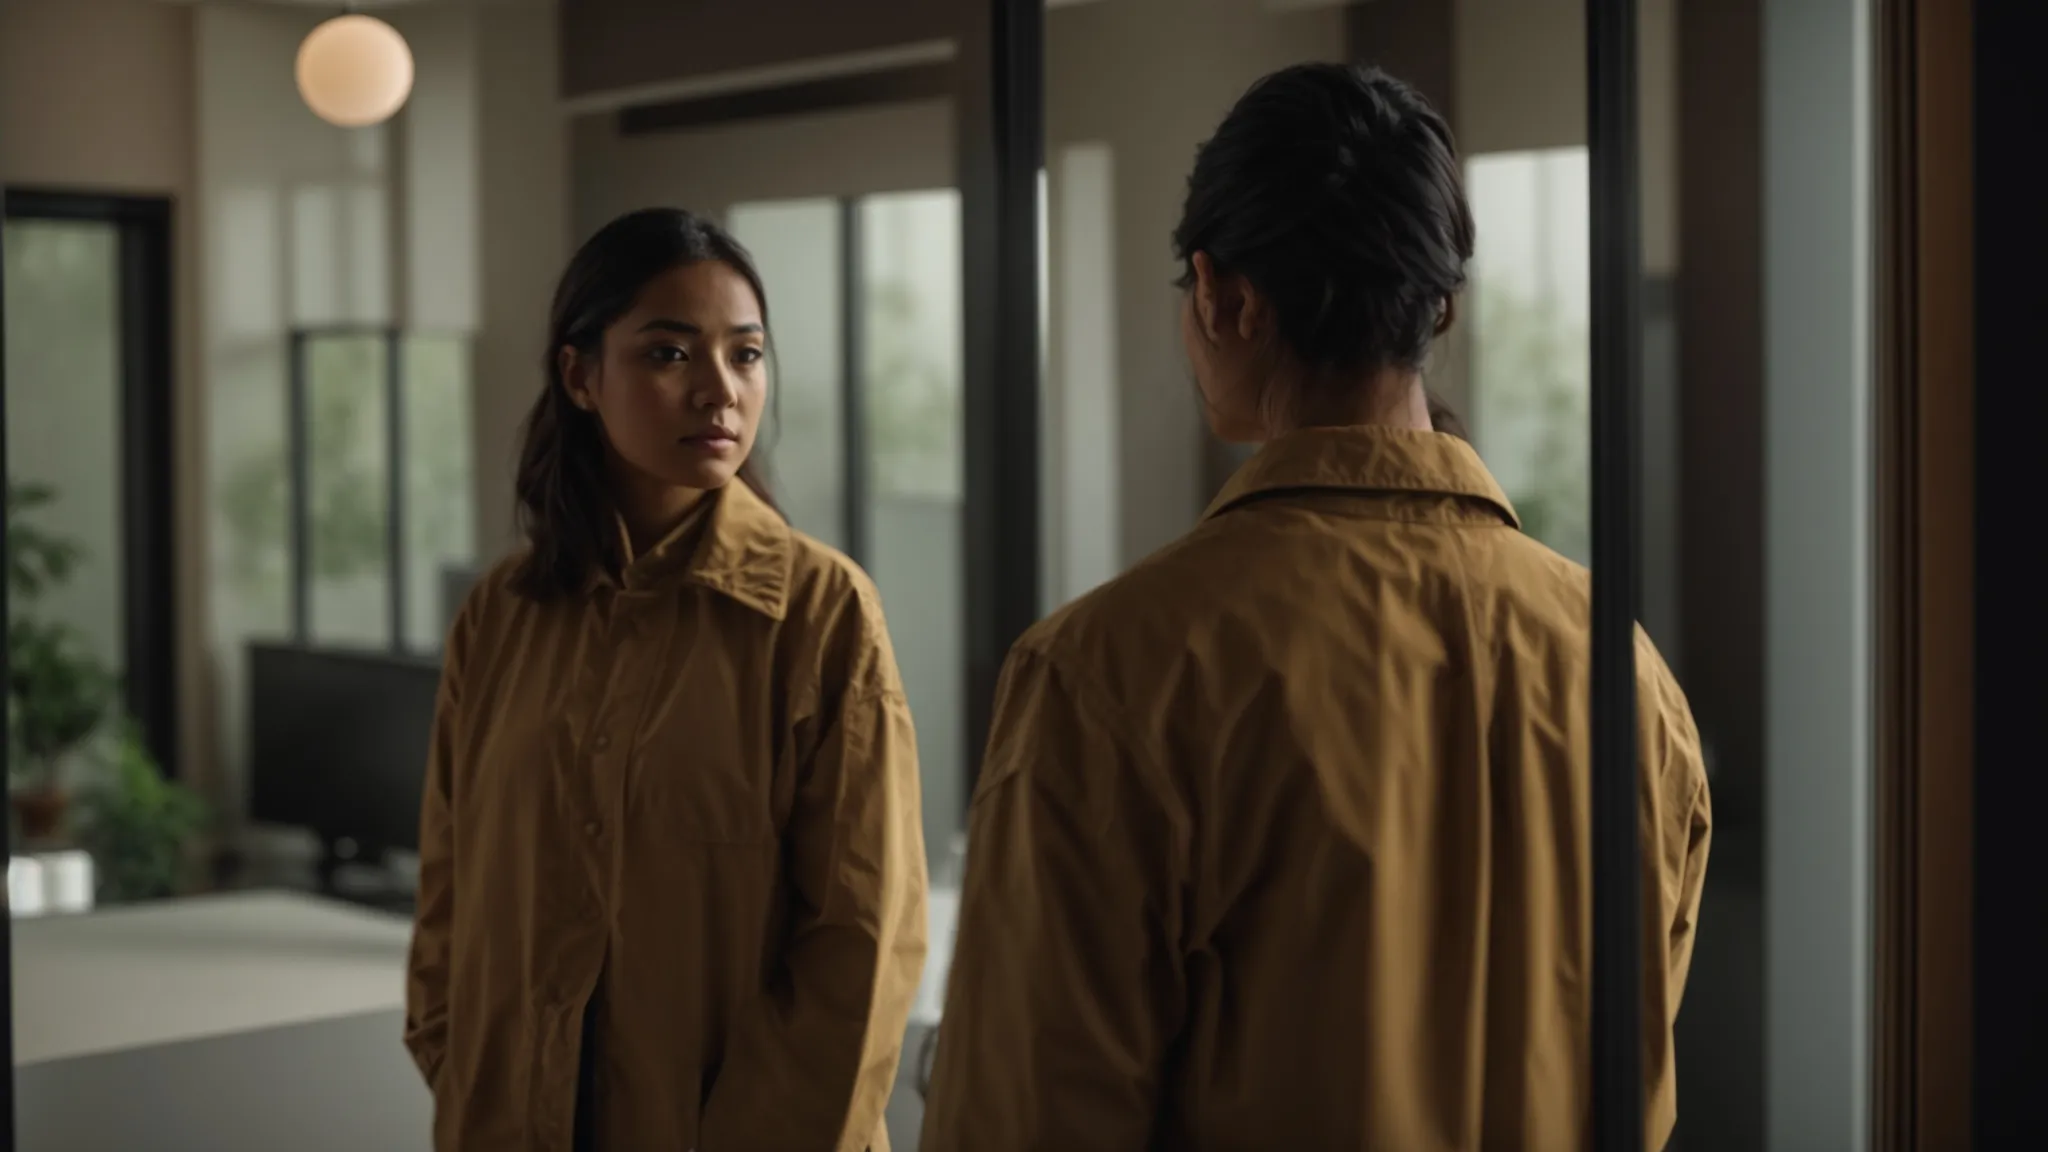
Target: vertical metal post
point(853, 387)
point(394, 489)
point(148, 477)
point(1001, 116)
point(2008, 103)
point(298, 471)
point(1617, 270)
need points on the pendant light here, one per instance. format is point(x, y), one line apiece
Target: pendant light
point(354, 71)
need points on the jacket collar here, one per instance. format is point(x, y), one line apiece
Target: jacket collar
point(738, 547)
point(1366, 459)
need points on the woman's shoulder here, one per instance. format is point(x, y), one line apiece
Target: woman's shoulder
point(483, 608)
point(825, 584)
point(834, 625)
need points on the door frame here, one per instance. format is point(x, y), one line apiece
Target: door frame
point(148, 411)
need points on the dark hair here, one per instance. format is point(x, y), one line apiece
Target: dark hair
point(564, 501)
point(1335, 190)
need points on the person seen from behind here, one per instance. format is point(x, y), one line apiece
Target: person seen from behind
point(1281, 838)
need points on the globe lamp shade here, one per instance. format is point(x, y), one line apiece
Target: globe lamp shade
point(354, 71)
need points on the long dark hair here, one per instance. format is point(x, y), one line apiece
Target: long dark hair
point(1335, 190)
point(565, 505)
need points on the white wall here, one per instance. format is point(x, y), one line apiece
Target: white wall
point(1817, 573)
point(99, 95)
point(96, 94)
point(524, 231)
point(1083, 427)
point(894, 148)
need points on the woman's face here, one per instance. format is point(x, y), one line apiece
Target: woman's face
point(1220, 322)
point(680, 380)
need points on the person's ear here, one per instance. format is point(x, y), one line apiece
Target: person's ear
point(575, 371)
point(1254, 313)
point(1449, 317)
point(1214, 305)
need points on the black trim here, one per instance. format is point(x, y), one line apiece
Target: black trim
point(853, 418)
point(147, 471)
point(298, 452)
point(1000, 111)
point(838, 93)
point(298, 490)
point(1617, 572)
point(6, 826)
point(395, 544)
point(2010, 102)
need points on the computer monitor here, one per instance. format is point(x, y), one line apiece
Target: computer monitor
point(338, 743)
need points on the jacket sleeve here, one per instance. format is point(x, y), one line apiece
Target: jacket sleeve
point(810, 1066)
point(1672, 751)
point(1066, 990)
point(1692, 879)
point(426, 984)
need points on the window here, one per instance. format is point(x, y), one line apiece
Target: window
point(798, 246)
point(1531, 370)
point(372, 483)
point(865, 446)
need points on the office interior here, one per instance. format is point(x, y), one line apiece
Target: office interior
point(264, 377)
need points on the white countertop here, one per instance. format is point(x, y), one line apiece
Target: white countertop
point(198, 967)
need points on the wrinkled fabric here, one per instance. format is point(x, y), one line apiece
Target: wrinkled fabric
point(682, 807)
point(1281, 839)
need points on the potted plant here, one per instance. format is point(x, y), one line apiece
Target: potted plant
point(58, 694)
point(138, 826)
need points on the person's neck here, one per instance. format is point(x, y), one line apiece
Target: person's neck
point(1387, 399)
point(650, 513)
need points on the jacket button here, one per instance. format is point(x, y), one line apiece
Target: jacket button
point(602, 742)
point(593, 828)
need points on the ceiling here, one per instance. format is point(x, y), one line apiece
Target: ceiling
point(337, 7)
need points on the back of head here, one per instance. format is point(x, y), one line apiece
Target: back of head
point(1335, 191)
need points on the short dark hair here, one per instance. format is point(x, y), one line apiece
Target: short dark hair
point(565, 505)
point(1335, 190)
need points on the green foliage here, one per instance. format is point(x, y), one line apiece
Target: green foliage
point(57, 692)
point(346, 471)
point(1538, 362)
point(36, 560)
point(914, 410)
point(345, 497)
point(137, 825)
point(57, 696)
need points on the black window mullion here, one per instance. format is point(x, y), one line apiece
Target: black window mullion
point(6, 755)
point(1000, 112)
point(1617, 574)
point(853, 419)
point(298, 469)
point(394, 490)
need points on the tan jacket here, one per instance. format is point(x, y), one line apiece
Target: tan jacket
point(1281, 839)
point(688, 799)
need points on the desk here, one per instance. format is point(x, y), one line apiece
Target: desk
point(251, 1021)
point(177, 970)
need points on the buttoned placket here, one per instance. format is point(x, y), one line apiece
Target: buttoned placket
point(616, 680)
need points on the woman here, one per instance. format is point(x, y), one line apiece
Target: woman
point(671, 870)
point(1280, 838)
